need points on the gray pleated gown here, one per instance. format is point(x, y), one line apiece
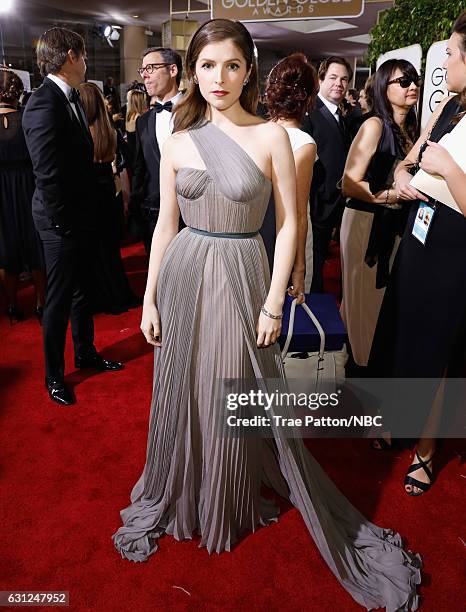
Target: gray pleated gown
point(209, 293)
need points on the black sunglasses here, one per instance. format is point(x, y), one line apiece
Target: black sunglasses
point(405, 81)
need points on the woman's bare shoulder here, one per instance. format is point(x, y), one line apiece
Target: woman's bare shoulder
point(271, 131)
point(372, 124)
point(175, 141)
point(178, 137)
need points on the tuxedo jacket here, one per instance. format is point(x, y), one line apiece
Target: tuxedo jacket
point(62, 155)
point(332, 140)
point(146, 180)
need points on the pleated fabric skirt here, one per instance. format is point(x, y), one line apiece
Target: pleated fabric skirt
point(196, 479)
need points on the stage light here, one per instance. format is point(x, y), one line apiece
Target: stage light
point(6, 6)
point(111, 34)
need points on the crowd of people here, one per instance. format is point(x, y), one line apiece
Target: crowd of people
point(235, 211)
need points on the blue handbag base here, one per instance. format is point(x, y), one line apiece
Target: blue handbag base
point(305, 334)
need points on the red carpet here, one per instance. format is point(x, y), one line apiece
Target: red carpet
point(66, 472)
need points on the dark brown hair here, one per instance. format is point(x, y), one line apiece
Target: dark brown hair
point(11, 86)
point(382, 107)
point(459, 27)
point(169, 56)
point(291, 88)
point(53, 46)
point(334, 59)
point(103, 134)
point(190, 111)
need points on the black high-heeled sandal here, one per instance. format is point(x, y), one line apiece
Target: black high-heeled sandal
point(413, 482)
point(14, 313)
point(384, 445)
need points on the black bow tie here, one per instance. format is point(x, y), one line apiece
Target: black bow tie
point(74, 96)
point(161, 107)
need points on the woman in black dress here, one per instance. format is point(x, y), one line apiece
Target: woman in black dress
point(20, 247)
point(135, 107)
point(112, 293)
point(421, 331)
point(374, 219)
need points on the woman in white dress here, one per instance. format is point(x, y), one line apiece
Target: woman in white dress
point(290, 91)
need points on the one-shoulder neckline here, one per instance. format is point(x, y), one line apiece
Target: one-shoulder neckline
point(207, 122)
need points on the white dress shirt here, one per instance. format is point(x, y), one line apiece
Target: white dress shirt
point(333, 108)
point(66, 89)
point(164, 122)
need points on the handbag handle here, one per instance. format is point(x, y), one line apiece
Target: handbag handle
point(313, 318)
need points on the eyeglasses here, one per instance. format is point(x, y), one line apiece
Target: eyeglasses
point(150, 68)
point(405, 81)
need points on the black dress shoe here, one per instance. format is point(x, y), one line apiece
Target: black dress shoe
point(14, 313)
point(97, 362)
point(59, 392)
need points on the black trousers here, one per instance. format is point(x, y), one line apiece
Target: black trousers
point(321, 237)
point(150, 218)
point(68, 263)
point(149, 221)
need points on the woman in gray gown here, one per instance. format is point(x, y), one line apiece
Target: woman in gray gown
point(212, 313)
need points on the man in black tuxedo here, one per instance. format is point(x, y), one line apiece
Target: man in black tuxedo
point(327, 126)
point(63, 206)
point(110, 89)
point(161, 71)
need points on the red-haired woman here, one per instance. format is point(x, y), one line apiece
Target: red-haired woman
point(290, 93)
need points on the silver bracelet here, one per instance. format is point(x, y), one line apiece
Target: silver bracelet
point(270, 315)
point(387, 195)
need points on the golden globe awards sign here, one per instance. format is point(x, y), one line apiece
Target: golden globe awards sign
point(435, 85)
point(277, 10)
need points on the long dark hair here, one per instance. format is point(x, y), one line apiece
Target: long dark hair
point(382, 107)
point(103, 135)
point(291, 88)
point(459, 27)
point(190, 111)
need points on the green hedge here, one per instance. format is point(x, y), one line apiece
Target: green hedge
point(413, 21)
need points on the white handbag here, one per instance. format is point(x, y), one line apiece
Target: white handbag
point(318, 372)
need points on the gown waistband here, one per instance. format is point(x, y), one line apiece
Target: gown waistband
point(234, 235)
